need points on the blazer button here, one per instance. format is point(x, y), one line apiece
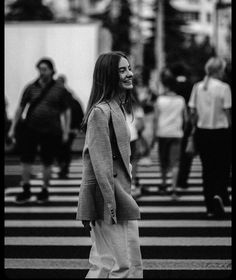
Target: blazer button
point(114, 157)
point(115, 175)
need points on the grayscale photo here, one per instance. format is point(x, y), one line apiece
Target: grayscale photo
point(118, 139)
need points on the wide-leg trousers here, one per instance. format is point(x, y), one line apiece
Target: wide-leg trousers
point(115, 251)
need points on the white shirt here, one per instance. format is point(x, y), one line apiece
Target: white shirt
point(131, 121)
point(170, 114)
point(210, 103)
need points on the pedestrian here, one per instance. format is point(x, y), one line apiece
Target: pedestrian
point(74, 117)
point(210, 105)
point(183, 87)
point(147, 134)
point(39, 122)
point(169, 119)
point(106, 206)
point(138, 145)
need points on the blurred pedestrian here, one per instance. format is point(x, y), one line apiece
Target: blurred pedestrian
point(147, 134)
point(39, 122)
point(183, 87)
point(74, 117)
point(105, 204)
point(169, 119)
point(135, 121)
point(210, 105)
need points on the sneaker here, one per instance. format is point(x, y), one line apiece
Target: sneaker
point(174, 196)
point(145, 161)
point(162, 190)
point(62, 175)
point(218, 206)
point(42, 196)
point(25, 195)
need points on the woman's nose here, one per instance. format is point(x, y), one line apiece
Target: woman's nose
point(130, 73)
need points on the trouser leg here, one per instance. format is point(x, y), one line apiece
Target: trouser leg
point(136, 266)
point(115, 252)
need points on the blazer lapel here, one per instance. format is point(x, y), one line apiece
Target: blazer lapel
point(122, 136)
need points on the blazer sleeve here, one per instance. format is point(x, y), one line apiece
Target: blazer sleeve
point(100, 151)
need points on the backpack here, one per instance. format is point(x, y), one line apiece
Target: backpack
point(77, 113)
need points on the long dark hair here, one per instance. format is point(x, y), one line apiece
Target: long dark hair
point(105, 84)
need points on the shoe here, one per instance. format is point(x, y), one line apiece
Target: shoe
point(218, 206)
point(42, 196)
point(25, 195)
point(63, 175)
point(162, 190)
point(145, 161)
point(174, 196)
point(145, 191)
point(210, 215)
point(227, 202)
point(183, 186)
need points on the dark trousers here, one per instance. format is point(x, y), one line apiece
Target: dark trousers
point(134, 161)
point(64, 156)
point(185, 161)
point(214, 149)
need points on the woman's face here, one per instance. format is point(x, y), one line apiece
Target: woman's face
point(126, 76)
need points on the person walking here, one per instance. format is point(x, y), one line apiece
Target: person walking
point(169, 119)
point(74, 116)
point(105, 205)
point(40, 122)
point(135, 121)
point(183, 87)
point(210, 105)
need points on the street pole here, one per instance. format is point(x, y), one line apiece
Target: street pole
point(159, 40)
point(216, 28)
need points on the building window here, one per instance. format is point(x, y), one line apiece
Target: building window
point(194, 1)
point(209, 18)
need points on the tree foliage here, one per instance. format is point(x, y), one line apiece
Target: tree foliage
point(28, 10)
point(119, 25)
point(178, 47)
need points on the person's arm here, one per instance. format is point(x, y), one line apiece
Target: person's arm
point(228, 116)
point(227, 96)
point(155, 122)
point(11, 132)
point(192, 109)
point(185, 117)
point(24, 102)
point(65, 119)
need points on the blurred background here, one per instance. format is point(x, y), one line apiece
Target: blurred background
point(154, 33)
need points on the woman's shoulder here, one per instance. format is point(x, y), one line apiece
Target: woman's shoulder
point(99, 110)
point(103, 106)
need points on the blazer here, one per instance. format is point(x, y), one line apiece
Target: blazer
point(105, 191)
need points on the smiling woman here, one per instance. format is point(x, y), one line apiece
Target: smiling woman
point(126, 75)
point(105, 205)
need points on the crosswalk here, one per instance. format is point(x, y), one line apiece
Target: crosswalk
point(177, 241)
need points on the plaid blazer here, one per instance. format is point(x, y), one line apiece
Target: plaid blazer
point(105, 191)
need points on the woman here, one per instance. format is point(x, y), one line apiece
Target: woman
point(105, 204)
point(170, 118)
point(135, 121)
point(210, 104)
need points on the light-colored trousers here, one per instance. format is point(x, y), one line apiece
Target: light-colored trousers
point(115, 251)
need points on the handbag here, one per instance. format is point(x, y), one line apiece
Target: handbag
point(191, 148)
point(141, 147)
